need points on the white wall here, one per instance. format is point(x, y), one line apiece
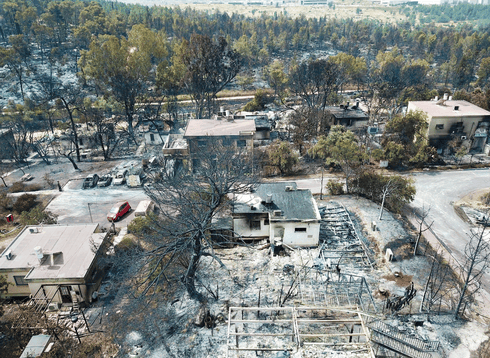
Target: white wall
point(241, 226)
point(291, 237)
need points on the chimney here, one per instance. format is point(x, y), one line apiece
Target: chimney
point(450, 98)
point(51, 259)
point(268, 200)
point(445, 96)
point(456, 108)
point(436, 98)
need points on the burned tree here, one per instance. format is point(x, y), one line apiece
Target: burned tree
point(474, 265)
point(188, 201)
point(438, 284)
point(421, 221)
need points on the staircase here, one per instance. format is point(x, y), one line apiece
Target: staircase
point(388, 337)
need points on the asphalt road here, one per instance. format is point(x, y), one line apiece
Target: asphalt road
point(77, 205)
point(438, 191)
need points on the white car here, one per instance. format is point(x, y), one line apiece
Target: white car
point(120, 177)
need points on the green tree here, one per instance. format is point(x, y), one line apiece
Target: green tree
point(282, 157)
point(483, 73)
point(405, 140)
point(124, 68)
point(341, 147)
point(276, 77)
point(392, 191)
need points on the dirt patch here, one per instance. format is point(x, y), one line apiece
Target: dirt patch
point(400, 279)
point(474, 200)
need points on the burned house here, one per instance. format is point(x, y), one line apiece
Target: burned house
point(59, 261)
point(278, 212)
point(348, 116)
point(448, 119)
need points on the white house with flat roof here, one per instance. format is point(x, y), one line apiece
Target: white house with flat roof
point(279, 212)
point(56, 263)
point(454, 118)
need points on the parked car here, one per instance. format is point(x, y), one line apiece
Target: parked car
point(118, 211)
point(105, 180)
point(120, 177)
point(90, 181)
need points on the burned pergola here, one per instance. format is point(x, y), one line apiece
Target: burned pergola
point(276, 329)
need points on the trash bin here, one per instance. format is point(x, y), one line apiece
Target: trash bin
point(10, 218)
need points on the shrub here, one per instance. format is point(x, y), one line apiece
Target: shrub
point(335, 187)
point(37, 216)
point(258, 103)
point(5, 202)
point(19, 187)
point(142, 226)
point(25, 203)
point(48, 180)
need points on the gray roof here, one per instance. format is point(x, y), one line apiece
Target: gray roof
point(296, 204)
point(71, 246)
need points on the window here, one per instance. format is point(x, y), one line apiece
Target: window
point(227, 142)
point(439, 126)
point(255, 224)
point(19, 281)
point(152, 137)
point(241, 143)
point(266, 221)
point(201, 143)
point(299, 229)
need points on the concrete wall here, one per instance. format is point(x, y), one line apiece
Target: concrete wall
point(469, 123)
point(290, 236)
point(15, 290)
point(241, 226)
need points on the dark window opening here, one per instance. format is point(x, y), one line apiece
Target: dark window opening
point(152, 137)
point(266, 221)
point(255, 224)
point(299, 229)
point(439, 126)
point(19, 281)
point(201, 143)
point(241, 143)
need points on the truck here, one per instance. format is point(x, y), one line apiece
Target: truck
point(144, 207)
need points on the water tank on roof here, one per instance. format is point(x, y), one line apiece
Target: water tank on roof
point(39, 252)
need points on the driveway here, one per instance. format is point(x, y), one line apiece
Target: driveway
point(438, 191)
point(77, 205)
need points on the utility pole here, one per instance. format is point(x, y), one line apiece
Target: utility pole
point(321, 186)
point(90, 212)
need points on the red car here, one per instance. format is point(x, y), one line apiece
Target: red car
point(118, 211)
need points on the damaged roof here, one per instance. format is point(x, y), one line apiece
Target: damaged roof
point(214, 127)
point(295, 204)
